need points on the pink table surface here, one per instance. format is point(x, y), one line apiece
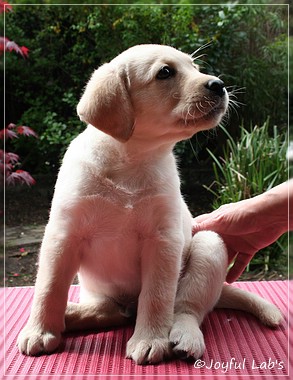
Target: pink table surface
point(237, 345)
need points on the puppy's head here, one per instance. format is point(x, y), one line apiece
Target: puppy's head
point(152, 92)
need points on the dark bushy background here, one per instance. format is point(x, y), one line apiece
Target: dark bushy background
point(68, 42)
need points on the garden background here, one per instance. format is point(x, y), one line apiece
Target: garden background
point(242, 158)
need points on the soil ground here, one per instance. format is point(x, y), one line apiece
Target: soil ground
point(26, 214)
point(26, 210)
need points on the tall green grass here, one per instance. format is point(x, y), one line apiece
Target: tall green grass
point(250, 165)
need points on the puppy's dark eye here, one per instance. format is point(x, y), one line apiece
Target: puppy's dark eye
point(166, 72)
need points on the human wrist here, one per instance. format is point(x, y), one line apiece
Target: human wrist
point(274, 204)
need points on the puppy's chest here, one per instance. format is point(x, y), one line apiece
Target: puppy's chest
point(111, 209)
point(130, 189)
point(129, 194)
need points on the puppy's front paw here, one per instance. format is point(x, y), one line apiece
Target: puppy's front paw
point(187, 340)
point(147, 350)
point(34, 341)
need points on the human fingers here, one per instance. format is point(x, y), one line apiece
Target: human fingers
point(203, 226)
point(196, 227)
point(204, 222)
point(237, 269)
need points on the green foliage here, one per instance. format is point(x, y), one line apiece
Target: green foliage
point(250, 165)
point(67, 42)
point(57, 131)
point(254, 163)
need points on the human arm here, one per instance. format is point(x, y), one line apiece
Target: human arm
point(250, 225)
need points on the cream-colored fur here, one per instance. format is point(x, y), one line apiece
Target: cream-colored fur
point(119, 221)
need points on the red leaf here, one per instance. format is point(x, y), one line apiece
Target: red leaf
point(7, 168)
point(21, 130)
point(7, 133)
point(11, 45)
point(26, 131)
point(5, 7)
point(11, 158)
point(28, 179)
point(20, 176)
point(6, 44)
point(7, 162)
point(25, 51)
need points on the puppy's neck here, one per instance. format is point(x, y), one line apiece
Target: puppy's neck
point(143, 150)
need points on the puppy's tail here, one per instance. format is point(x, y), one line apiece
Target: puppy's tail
point(235, 298)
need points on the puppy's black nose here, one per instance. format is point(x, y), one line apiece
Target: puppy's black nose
point(217, 86)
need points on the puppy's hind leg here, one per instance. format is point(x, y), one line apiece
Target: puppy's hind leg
point(199, 289)
point(97, 314)
point(235, 298)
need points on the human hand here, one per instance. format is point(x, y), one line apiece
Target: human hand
point(246, 227)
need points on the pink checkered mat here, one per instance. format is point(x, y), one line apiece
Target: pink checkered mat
point(237, 345)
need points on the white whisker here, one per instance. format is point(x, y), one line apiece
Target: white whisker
point(201, 48)
point(198, 57)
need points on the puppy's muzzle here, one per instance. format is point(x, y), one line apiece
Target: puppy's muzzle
point(207, 105)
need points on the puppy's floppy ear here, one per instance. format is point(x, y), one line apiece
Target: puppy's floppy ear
point(106, 103)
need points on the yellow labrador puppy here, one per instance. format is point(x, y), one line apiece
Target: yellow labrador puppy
point(119, 221)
